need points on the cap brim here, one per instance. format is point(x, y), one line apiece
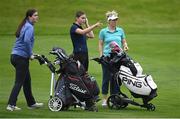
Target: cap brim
point(112, 18)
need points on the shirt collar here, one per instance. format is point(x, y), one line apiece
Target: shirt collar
point(107, 29)
point(77, 25)
point(29, 22)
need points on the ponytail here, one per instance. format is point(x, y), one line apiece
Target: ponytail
point(29, 13)
point(19, 27)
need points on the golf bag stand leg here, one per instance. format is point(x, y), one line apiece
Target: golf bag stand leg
point(53, 82)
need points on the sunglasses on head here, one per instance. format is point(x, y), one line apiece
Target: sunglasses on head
point(114, 20)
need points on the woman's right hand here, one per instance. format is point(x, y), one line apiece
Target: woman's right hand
point(98, 24)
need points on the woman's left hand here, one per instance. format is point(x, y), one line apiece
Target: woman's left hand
point(126, 48)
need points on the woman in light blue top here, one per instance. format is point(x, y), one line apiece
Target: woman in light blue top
point(21, 53)
point(106, 36)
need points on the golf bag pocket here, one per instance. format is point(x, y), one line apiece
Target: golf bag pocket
point(78, 88)
point(150, 82)
point(91, 84)
point(63, 92)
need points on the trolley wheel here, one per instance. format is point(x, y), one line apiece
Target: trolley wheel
point(55, 104)
point(116, 102)
point(151, 107)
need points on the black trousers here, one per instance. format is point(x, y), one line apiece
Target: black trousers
point(83, 58)
point(22, 79)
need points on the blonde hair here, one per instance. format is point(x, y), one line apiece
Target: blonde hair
point(111, 13)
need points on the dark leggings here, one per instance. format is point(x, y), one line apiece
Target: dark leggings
point(22, 79)
point(109, 78)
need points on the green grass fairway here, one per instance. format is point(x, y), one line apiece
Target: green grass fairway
point(158, 54)
point(152, 29)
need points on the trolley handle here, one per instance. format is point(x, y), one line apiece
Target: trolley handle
point(43, 60)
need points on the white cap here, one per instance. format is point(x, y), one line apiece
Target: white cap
point(112, 17)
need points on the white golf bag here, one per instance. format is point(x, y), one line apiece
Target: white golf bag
point(139, 84)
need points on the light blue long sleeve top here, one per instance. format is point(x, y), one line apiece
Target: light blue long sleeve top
point(25, 42)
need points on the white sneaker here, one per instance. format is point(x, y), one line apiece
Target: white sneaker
point(12, 108)
point(36, 105)
point(104, 102)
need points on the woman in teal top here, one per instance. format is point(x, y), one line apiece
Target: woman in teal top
point(106, 36)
